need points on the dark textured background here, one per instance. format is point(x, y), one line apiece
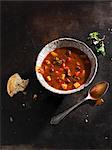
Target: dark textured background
point(26, 28)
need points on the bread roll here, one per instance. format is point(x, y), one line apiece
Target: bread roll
point(16, 84)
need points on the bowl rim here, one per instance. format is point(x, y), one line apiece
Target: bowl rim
point(48, 87)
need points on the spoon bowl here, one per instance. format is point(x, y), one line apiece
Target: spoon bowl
point(99, 89)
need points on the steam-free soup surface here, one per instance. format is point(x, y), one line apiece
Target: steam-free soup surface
point(66, 68)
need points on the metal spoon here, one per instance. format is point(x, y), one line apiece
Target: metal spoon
point(98, 90)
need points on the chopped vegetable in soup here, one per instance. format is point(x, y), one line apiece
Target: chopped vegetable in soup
point(66, 68)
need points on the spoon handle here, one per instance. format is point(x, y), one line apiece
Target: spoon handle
point(56, 119)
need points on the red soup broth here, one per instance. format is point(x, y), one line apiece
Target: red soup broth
point(66, 68)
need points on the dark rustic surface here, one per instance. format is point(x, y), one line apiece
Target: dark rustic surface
point(26, 28)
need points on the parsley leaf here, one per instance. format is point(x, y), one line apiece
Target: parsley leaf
point(94, 35)
point(98, 42)
point(101, 49)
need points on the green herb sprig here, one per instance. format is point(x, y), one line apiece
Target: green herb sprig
point(98, 42)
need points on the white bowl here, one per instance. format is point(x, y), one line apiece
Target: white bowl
point(66, 42)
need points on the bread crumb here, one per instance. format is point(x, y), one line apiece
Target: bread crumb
point(86, 114)
point(86, 120)
point(23, 105)
point(11, 119)
point(106, 138)
point(24, 93)
point(35, 97)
